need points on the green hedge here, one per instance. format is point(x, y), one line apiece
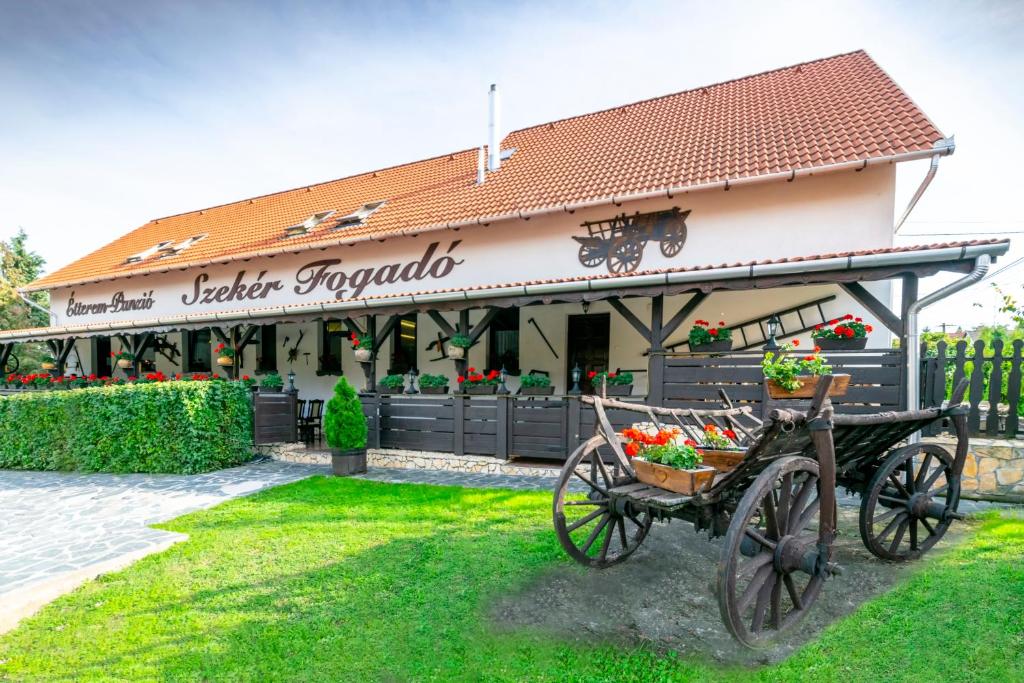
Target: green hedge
point(173, 427)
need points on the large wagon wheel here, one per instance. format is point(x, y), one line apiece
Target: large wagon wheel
point(594, 530)
point(768, 573)
point(673, 237)
point(625, 253)
point(592, 255)
point(908, 505)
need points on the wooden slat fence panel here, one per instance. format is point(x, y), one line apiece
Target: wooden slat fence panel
point(538, 428)
point(274, 417)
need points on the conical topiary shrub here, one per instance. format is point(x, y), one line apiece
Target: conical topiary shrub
point(345, 430)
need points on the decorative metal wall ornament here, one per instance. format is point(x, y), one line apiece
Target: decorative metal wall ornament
point(619, 242)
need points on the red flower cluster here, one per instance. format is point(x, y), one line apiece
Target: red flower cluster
point(474, 377)
point(592, 374)
point(846, 327)
point(638, 439)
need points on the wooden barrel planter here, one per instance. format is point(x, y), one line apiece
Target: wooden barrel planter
point(829, 344)
point(809, 384)
point(348, 462)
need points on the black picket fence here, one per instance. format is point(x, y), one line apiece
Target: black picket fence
point(994, 375)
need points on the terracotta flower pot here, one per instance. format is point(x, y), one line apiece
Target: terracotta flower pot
point(456, 352)
point(480, 389)
point(537, 391)
point(364, 355)
point(225, 361)
point(124, 363)
point(348, 462)
point(434, 390)
point(718, 346)
point(808, 385)
point(687, 482)
point(48, 366)
point(847, 344)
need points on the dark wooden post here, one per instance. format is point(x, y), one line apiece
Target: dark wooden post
point(995, 388)
point(976, 393)
point(656, 357)
point(459, 424)
point(505, 406)
point(574, 410)
point(910, 294)
point(5, 356)
point(370, 369)
point(1013, 391)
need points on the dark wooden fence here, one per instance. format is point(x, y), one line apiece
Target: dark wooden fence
point(274, 417)
point(995, 384)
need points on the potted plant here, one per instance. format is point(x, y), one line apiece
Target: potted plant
point(345, 430)
point(457, 346)
point(615, 383)
point(842, 334)
point(707, 339)
point(433, 384)
point(788, 376)
point(123, 358)
point(721, 448)
point(363, 345)
point(477, 383)
point(535, 384)
point(48, 363)
point(393, 384)
point(225, 354)
point(663, 457)
point(271, 382)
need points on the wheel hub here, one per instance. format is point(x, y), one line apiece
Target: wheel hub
point(790, 552)
point(919, 505)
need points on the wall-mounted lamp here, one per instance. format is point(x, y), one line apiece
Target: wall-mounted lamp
point(773, 329)
point(576, 374)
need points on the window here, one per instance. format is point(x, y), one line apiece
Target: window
point(198, 354)
point(332, 338)
point(403, 345)
point(307, 225)
point(266, 353)
point(503, 341)
point(100, 362)
point(148, 359)
point(359, 216)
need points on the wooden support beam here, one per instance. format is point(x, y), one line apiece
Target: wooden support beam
point(370, 369)
point(682, 314)
point(219, 334)
point(353, 326)
point(880, 310)
point(484, 323)
point(247, 337)
point(440, 321)
point(657, 317)
point(5, 355)
point(631, 318)
point(385, 332)
point(67, 346)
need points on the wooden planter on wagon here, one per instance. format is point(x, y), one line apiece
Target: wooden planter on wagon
point(776, 510)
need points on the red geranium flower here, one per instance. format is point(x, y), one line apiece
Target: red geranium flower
point(796, 342)
point(591, 375)
point(713, 332)
point(632, 449)
point(721, 323)
point(460, 379)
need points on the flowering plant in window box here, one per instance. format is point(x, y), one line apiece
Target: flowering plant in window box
point(393, 384)
point(457, 346)
point(790, 376)
point(123, 358)
point(48, 363)
point(474, 382)
point(846, 332)
point(721, 448)
point(272, 381)
point(664, 457)
point(363, 345)
point(433, 384)
point(225, 354)
point(704, 338)
point(614, 383)
point(535, 384)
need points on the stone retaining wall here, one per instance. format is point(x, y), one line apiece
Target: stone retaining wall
point(994, 469)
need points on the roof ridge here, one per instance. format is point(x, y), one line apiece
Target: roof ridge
point(311, 185)
point(700, 87)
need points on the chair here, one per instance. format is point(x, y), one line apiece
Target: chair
point(311, 424)
point(300, 415)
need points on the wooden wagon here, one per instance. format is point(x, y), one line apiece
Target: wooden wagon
point(619, 242)
point(776, 507)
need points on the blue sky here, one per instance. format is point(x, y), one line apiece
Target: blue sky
point(113, 113)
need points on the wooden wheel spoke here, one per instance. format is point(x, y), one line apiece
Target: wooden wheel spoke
point(913, 534)
point(899, 535)
point(603, 555)
point(752, 567)
point(892, 525)
point(771, 521)
point(810, 486)
point(757, 536)
point(925, 465)
point(806, 516)
point(585, 519)
point(785, 496)
point(930, 481)
point(941, 490)
point(761, 606)
point(794, 595)
point(890, 499)
point(928, 527)
point(776, 613)
point(899, 487)
point(622, 532)
point(908, 468)
point(594, 534)
point(608, 480)
point(886, 515)
point(591, 484)
point(603, 501)
point(754, 587)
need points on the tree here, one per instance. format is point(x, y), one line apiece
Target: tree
point(1011, 306)
point(18, 267)
point(344, 422)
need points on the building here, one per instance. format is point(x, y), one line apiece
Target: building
point(591, 242)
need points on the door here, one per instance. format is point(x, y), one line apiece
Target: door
point(588, 341)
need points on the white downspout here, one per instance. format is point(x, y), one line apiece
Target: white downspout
point(942, 147)
point(981, 266)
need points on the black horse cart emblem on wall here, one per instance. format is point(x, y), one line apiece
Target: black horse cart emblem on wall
point(619, 242)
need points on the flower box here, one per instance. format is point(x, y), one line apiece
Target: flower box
point(722, 460)
point(537, 391)
point(479, 389)
point(720, 346)
point(456, 352)
point(434, 390)
point(616, 390)
point(687, 482)
point(364, 355)
point(390, 390)
point(809, 384)
point(853, 343)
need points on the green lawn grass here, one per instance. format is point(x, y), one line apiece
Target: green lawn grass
point(339, 579)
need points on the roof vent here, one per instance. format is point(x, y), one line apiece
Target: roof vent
point(143, 255)
point(359, 216)
point(175, 249)
point(307, 225)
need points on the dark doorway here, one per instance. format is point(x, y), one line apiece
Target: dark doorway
point(589, 338)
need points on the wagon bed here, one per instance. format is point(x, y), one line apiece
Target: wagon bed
point(777, 507)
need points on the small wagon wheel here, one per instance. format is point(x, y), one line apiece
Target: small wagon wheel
point(625, 253)
point(673, 236)
point(908, 506)
point(768, 572)
point(594, 530)
point(593, 255)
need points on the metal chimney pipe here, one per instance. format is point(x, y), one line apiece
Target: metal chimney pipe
point(494, 131)
point(481, 170)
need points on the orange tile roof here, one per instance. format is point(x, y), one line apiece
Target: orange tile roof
point(835, 110)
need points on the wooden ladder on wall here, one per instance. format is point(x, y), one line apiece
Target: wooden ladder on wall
point(753, 333)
